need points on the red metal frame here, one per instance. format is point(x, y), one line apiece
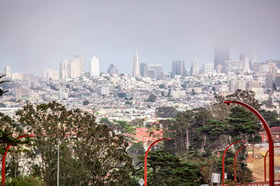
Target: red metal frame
point(269, 135)
point(265, 164)
point(146, 156)
point(235, 157)
point(223, 176)
point(4, 158)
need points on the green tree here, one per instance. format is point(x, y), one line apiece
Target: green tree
point(271, 117)
point(178, 131)
point(166, 169)
point(243, 124)
point(7, 132)
point(25, 181)
point(244, 96)
point(136, 150)
point(152, 98)
point(8, 125)
point(89, 153)
point(166, 112)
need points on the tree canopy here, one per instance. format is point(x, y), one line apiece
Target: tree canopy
point(89, 153)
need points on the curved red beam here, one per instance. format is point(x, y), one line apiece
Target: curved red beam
point(146, 156)
point(4, 158)
point(223, 176)
point(235, 157)
point(269, 135)
point(265, 164)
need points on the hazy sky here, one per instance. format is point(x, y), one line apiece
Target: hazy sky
point(35, 35)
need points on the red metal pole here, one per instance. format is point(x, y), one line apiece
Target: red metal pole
point(265, 164)
point(235, 157)
point(146, 156)
point(4, 158)
point(223, 176)
point(269, 135)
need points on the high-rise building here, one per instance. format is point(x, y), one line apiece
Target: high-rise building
point(8, 71)
point(112, 70)
point(72, 68)
point(157, 70)
point(194, 68)
point(233, 66)
point(246, 68)
point(178, 68)
point(221, 54)
point(143, 69)
point(208, 68)
point(76, 67)
point(64, 70)
point(94, 66)
point(136, 67)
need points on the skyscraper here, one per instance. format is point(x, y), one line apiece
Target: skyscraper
point(178, 68)
point(94, 66)
point(221, 54)
point(76, 67)
point(144, 69)
point(112, 70)
point(64, 69)
point(157, 70)
point(8, 71)
point(136, 67)
point(195, 68)
point(72, 68)
point(208, 68)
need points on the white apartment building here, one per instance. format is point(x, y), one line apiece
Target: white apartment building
point(94, 66)
point(76, 67)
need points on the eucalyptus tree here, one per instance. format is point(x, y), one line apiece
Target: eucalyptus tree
point(89, 153)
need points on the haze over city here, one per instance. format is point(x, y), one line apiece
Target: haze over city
point(38, 35)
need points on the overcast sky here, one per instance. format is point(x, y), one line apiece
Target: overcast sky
point(35, 35)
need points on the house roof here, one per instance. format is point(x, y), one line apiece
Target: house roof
point(275, 129)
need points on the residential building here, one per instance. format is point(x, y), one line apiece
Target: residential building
point(275, 131)
point(94, 66)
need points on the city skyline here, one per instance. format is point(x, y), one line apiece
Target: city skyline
point(35, 35)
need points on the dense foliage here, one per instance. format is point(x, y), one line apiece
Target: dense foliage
point(166, 169)
point(89, 153)
point(104, 153)
point(9, 127)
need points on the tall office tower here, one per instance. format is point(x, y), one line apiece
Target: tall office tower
point(194, 68)
point(64, 70)
point(76, 67)
point(233, 66)
point(94, 66)
point(208, 68)
point(144, 69)
point(157, 70)
point(221, 54)
point(136, 67)
point(246, 68)
point(178, 68)
point(112, 70)
point(8, 71)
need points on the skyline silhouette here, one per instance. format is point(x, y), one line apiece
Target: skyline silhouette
point(38, 35)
